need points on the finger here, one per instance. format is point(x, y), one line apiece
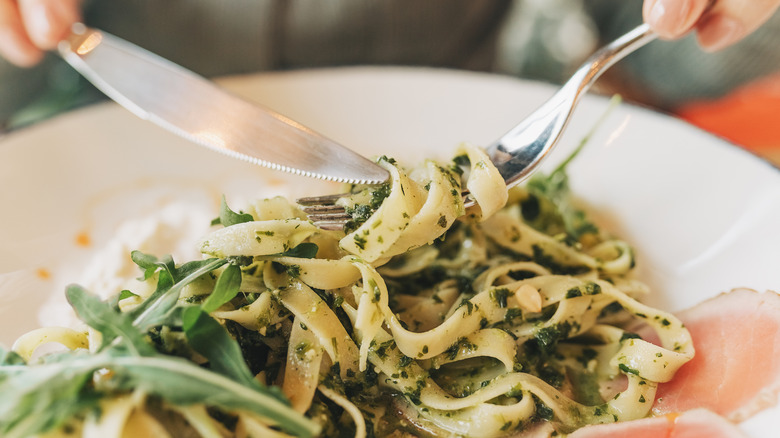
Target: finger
point(731, 20)
point(15, 45)
point(673, 18)
point(48, 21)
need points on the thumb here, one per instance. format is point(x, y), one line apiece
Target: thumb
point(673, 18)
point(48, 21)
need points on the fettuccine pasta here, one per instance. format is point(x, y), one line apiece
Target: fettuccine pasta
point(420, 317)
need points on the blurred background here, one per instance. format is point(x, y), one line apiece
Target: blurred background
point(734, 93)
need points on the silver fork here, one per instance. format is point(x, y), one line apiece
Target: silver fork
point(520, 151)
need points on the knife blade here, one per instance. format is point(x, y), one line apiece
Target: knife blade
point(195, 108)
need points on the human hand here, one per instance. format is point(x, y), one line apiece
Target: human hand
point(718, 23)
point(29, 27)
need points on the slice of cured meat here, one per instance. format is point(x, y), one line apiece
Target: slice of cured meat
point(736, 369)
point(699, 423)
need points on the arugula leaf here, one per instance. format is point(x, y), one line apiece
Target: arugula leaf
point(9, 357)
point(554, 188)
point(42, 397)
point(150, 263)
point(164, 283)
point(556, 209)
point(227, 287)
point(126, 294)
point(159, 306)
point(46, 395)
point(10, 364)
point(305, 250)
point(228, 217)
point(181, 382)
point(210, 339)
point(111, 323)
point(188, 268)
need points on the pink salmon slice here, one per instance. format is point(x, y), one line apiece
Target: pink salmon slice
point(736, 369)
point(698, 423)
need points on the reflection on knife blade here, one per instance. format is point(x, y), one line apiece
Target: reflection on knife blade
point(192, 107)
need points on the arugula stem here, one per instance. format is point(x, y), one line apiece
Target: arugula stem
point(160, 304)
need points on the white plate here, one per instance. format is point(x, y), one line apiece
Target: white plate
point(702, 214)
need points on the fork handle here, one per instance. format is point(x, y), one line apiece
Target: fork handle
point(607, 56)
point(520, 151)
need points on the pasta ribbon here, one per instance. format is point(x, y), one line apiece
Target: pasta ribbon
point(485, 323)
point(485, 184)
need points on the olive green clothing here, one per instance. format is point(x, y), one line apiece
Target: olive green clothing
point(525, 38)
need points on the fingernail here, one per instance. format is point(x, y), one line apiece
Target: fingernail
point(670, 18)
point(719, 32)
point(46, 23)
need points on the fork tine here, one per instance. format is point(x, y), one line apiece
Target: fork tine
point(320, 200)
point(343, 216)
point(320, 213)
point(323, 211)
point(339, 216)
point(330, 226)
point(325, 214)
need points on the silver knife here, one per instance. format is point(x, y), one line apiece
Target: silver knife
point(193, 107)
